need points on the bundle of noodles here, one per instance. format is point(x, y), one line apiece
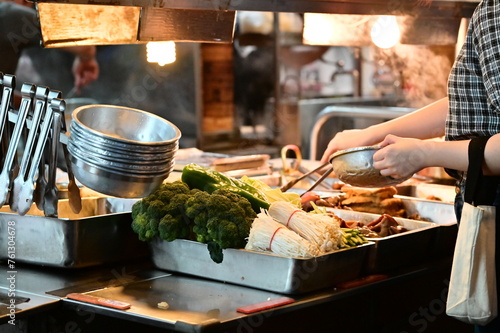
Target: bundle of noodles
point(320, 229)
point(268, 235)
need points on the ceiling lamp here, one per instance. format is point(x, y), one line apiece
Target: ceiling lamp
point(385, 32)
point(161, 52)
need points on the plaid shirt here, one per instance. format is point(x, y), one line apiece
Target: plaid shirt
point(474, 82)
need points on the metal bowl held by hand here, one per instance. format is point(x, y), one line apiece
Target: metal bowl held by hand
point(355, 167)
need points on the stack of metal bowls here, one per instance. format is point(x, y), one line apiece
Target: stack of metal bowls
point(121, 151)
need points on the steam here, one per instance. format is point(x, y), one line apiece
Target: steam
point(423, 71)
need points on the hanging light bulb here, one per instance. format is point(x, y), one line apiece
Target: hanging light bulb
point(161, 52)
point(385, 32)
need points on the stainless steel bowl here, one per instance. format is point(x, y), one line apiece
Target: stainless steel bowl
point(355, 167)
point(117, 146)
point(125, 125)
point(130, 151)
point(129, 168)
point(115, 183)
point(120, 151)
point(125, 157)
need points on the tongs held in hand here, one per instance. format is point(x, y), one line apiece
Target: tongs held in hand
point(294, 181)
point(316, 183)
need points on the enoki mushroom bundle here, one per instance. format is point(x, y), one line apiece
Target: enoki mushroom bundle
point(268, 235)
point(320, 229)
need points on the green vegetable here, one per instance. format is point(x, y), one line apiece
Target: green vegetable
point(273, 194)
point(222, 220)
point(209, 180)
point(352, 237)
point(162, 213)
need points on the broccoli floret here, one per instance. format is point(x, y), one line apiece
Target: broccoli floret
point(197, 210)
point(171, 228)
point(215, 252)
point(143, 227)
point(157, 209)
point(148, 212)
point(138, 208)
point(222, 217)
point(223, 232)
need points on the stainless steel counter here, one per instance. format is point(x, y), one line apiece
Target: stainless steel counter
point(200, 305)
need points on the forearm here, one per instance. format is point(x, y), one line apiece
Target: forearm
point(425, 123)
point(454, 155)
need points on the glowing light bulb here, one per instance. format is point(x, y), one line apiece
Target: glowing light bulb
point(385, 32)
point(161, 52)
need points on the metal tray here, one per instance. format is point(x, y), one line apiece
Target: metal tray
point(396, 251)
point(438, 212)
point(261, 270)
point(441, 213)
point(99, 234)
point(423, 190)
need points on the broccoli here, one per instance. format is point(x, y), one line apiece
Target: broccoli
point(141, 225)
point(162, 213)
point(171, 228)
point(223, 218)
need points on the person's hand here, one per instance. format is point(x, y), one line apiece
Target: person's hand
point(85, 71)
point(400, 157)
point(347, 139)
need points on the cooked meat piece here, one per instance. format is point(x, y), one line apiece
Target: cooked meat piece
point(385, 225)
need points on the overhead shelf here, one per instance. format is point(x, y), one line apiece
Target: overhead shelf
point(442, 8)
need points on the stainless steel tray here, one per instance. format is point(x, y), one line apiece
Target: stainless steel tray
point(441, 213)
point(99, 234)
point(261, 270)
point(424, 190)
point(396, 251)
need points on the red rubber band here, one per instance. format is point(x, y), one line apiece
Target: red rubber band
point(271, 241)
point(290, 217)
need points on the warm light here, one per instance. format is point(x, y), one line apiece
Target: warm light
point(385, 32)
point(161, 52)
point(337, 29)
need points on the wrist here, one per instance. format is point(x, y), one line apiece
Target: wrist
point(375, 133)
point(86, 53)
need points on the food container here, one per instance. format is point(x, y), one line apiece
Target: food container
point(397, 251)
point(99, 234)
point(261, 270)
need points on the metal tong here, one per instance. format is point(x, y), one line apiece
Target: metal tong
point(290, 184)
point(39, 110)
point(51, 191)
point(25, 198)
point(294, 181)
point(74, 195)
point(8, 86)
point(316, 183)
point(28, 92)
